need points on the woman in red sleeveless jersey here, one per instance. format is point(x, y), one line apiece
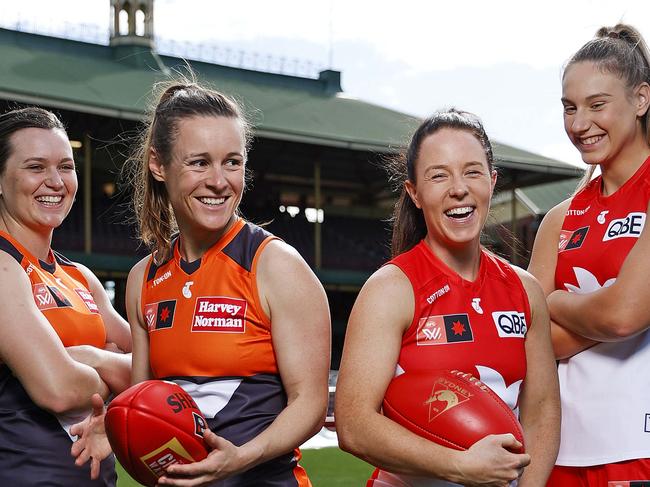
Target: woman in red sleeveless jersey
point(591, 258)
point(439, 270)
point(56, 317)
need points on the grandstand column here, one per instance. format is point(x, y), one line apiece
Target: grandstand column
point(513, 221)
point(318, 258)
point(87, 201)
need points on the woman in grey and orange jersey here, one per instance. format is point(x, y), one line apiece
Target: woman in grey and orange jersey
point(591, 257)
point(443, 302)
point(56, 319)
point(225, 309)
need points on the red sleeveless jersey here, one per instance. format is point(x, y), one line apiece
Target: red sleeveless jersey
point(476, 327)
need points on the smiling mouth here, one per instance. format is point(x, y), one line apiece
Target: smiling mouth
point(212, 201)
point(461, 212)
point(51, 200)
point(586, 141)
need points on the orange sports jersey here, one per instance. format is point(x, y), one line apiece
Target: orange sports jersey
point(209, 334)
point(61, 294)
point(34, 444)
point(193, 309)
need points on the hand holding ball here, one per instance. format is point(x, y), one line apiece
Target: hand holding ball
point(152, 425)
point(450, 408)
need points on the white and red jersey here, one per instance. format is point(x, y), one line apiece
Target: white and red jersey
point(605, 390)
point(476, 327)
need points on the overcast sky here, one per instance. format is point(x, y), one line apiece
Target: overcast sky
point(501, 59)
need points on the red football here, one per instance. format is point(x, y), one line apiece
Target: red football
point(450, 408)
point(154, 424)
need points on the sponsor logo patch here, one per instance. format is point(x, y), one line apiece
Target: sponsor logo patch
point(42, 297)
point(160, 315)
point(510, 324)
point(572, 212)
point(47, 297)
point(168, 454)
point(572, 239)
point(440, 330)
point(219, 313)
point(630, 226)
point(87, 298)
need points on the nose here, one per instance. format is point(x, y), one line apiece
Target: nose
point(458, 188)
point(53, 179)
point(579, 122)
point(215, 176)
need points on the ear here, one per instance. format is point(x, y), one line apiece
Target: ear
point(412, 192)
point(642, 99)
point(493, 181)
point(155, 166)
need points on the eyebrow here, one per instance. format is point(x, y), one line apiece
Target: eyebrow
point(207, 154)
point(590, 97)
point(45, 159)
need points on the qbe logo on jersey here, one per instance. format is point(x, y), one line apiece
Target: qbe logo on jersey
point(220, 314)
point(510, 324)
point(630, 226)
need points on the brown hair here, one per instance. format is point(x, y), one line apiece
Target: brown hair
point(409, 226)
point(622, 51)
point(177, 100)
point(23, 118)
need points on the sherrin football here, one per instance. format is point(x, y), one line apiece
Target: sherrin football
point(450, 408)
point(152, 425)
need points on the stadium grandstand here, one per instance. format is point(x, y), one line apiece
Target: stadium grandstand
point(316, 161)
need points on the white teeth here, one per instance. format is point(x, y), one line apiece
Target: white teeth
point(52, 200)
point(591, 140)
point(212, 201)
point(460, 211)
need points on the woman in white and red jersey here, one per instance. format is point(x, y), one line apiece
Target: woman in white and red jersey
point(441, 277)
point(591, 257)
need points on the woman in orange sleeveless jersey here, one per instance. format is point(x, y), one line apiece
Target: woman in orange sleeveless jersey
point(222, 307)
point(56, 319)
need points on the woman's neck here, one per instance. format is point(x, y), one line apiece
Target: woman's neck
point(37, 243)
point(194, 243)
point(618, 171)
point(464, 260)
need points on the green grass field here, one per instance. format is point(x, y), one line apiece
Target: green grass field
point(327, 467)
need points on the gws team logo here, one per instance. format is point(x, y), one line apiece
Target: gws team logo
point(444, 396)
point(601, 217)
point(495, 381)
point(88, 299)
point(572, 239)
point(159, 315)
point(476, 304)
point(630, 226)
point(47, 297)
point(440, 330)
point(510, 324)
point(220, 314)
point(586, 282)
point(186, 289)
